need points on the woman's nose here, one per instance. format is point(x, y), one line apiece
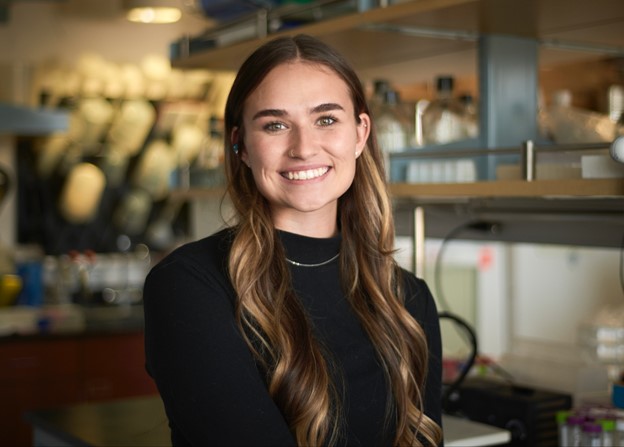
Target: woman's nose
point(302, 144)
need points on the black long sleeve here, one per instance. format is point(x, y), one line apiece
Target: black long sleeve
point(206, 375)
point(208, 380)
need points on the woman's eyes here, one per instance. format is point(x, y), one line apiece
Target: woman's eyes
point(274, 126)
point(277, 126)
point(326, 121)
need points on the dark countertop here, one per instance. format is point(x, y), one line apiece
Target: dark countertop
point(23, 323)
point(142, 422)
point(138, 421)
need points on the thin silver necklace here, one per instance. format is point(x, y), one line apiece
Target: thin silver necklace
point(300, 264)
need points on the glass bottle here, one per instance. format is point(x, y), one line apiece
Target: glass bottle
point(470, 116)
point(380, 87)
point(392, 130)
point(615, 102)
point(568, 124)
point(442, 119)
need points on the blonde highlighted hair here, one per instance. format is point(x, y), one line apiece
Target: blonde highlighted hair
point(271, 318)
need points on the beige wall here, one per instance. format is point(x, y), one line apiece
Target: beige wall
point(50, 30)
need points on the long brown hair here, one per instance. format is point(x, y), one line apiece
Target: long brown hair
point(273, 320)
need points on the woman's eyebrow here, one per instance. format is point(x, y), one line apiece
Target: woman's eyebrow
point(325, 107)
point(269, 112)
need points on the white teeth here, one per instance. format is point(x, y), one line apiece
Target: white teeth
point(306, 175)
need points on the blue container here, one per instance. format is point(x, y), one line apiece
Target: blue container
point(31, 273)
point(227, 10)
point(618, 394)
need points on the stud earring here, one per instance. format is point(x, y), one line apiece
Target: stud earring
point(235, 148)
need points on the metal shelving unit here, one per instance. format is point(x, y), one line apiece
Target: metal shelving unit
point(505, 41)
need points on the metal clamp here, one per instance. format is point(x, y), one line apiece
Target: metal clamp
point(529, 160)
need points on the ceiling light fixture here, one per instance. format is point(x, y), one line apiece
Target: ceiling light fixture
point(152, 11)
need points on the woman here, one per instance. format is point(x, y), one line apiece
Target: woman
point(295, 326)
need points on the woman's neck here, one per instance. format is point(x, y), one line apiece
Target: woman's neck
point(318, 225)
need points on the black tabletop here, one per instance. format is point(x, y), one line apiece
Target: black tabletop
point(129, 422)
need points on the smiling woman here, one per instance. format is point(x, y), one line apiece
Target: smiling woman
point(296, 326)
point(302, 144)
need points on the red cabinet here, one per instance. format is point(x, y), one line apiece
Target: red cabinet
point(114, 367)
point(47, 372)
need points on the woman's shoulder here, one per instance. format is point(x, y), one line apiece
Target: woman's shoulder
point(413, 284)
point(192, 272)
point(208, 253)
point(418, 298)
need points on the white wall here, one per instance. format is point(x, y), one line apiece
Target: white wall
point(531, 301)
point(482, 302)
point(555, 289)
point(553, 292)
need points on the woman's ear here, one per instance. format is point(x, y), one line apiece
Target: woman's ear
point(236, 139)
point(363, 131)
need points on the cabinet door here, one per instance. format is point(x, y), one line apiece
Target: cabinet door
point(35, 374)
point(33, 395)
point(38, 359)
point(114, 367)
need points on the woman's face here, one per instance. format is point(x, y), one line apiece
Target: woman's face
point(301, 141)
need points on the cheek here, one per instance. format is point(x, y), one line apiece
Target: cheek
point(348, 164)
point(346, 148)
point(263, 146)
point(263, 163)
point(255, 151)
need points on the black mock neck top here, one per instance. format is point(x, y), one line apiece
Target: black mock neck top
point(212, 390)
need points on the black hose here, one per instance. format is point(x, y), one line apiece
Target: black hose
point(450, 389)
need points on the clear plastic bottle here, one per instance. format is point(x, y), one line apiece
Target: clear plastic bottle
point(592, 435)
point(442, 120)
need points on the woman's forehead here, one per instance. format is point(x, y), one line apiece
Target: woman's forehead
point(296, 81)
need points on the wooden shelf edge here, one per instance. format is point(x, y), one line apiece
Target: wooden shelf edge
point(565, 188)
point(197, 192)
point(235, 53)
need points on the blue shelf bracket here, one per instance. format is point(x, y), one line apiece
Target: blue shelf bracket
point(27, 121)
point(508, 90)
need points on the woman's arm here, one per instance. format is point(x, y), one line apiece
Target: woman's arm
point(433, 390)
point(422, 306)
point(206, 375)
